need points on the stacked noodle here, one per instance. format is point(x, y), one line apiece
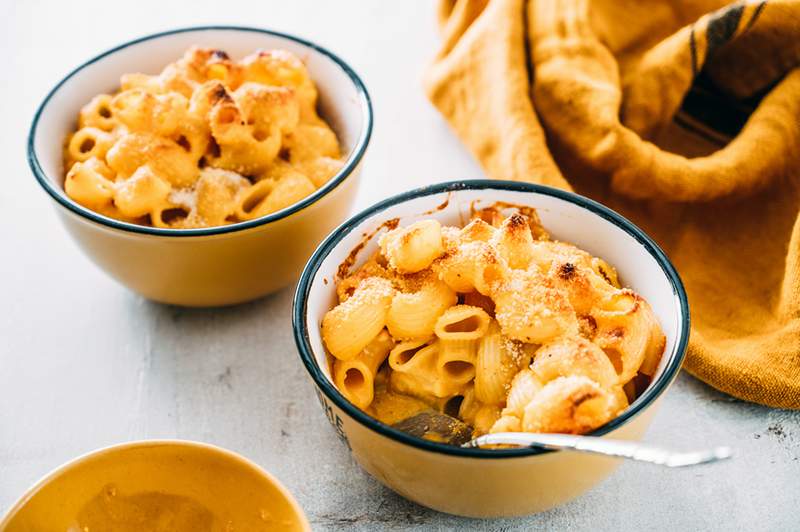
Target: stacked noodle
point(494, 322)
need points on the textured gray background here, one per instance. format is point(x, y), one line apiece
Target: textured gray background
point(84, 363)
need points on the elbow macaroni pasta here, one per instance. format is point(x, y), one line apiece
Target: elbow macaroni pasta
point(207, 142)
point(494, 322)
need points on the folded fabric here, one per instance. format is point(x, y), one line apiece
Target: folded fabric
point(684, 115)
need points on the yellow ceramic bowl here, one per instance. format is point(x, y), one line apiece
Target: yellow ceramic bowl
point(184, 486)
point(483, 482)
point(213, 266)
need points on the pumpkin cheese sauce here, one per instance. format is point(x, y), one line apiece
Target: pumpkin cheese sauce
point(111, 511)
point(495, 325)
point(153, 511)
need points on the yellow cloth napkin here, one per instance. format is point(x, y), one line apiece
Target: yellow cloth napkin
point(682, 114)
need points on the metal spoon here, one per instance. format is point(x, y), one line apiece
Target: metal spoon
point(440, 427)
point(590, 444)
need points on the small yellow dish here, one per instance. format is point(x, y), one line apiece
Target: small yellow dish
point(157, 486)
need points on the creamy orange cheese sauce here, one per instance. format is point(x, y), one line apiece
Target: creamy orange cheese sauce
point(391, 407)
point(494, 323)
point(153, 511)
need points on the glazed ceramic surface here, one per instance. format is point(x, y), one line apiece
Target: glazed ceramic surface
point(480, 482)
point(228, 492)
point(218, 265)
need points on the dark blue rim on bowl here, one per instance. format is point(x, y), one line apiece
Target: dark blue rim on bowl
point(300, 308)
point(58, 194)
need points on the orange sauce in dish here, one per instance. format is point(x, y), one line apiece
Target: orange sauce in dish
point(150, 511)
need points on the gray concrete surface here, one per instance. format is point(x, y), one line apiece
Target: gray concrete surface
point(84, 363)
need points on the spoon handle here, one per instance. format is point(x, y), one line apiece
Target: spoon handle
point(619, 448)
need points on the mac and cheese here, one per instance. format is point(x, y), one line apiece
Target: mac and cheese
point(209, 141)
point(494, 323)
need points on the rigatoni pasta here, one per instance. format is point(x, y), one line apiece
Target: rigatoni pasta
point(495, 368)
point(415, 372)
point(415, 314)
point(494, 323)
point(356, 377)
point(462, 322)
point(457, 359)
point(351, 326)
point(207, 142)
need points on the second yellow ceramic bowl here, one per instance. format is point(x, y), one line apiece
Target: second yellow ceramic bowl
point(168, 485)
point(218, 265)
point(487, 482)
